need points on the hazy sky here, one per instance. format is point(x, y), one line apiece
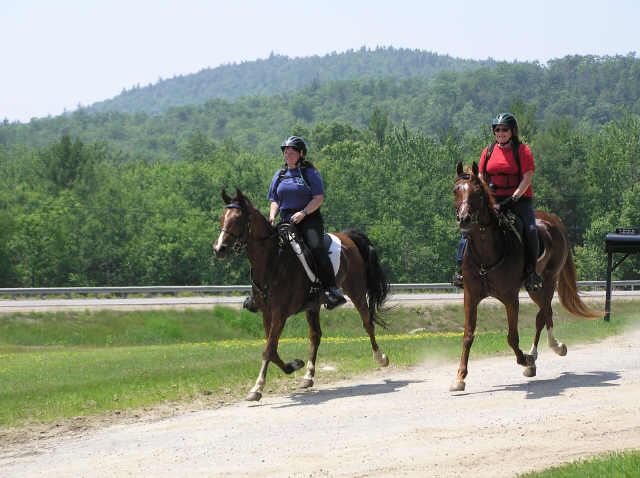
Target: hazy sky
point(57, 54)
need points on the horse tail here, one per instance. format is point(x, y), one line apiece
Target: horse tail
point(377, 284)
point(568, 290)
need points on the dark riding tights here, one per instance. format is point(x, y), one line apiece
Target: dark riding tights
point(311, 229)
point(524, 210)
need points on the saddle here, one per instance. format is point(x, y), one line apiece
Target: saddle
point(511, 224)
point(291, 238)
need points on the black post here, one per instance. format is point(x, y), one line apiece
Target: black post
point(607, 303)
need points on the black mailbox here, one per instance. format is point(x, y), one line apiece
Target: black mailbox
point(626, 241)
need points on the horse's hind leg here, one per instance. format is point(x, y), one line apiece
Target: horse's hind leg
point(315, 334)
point(360, 303)
point(545, 318)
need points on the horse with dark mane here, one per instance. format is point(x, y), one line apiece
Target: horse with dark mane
point(493, 265)
point(282, 286)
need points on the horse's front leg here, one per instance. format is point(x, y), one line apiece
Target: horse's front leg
point(315, 334)
point(471, 316)
point(270, 354)
point(513, 338)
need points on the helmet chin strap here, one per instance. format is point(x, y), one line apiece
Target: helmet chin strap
point(505, 143)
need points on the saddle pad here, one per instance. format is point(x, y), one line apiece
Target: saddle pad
point(334, 252)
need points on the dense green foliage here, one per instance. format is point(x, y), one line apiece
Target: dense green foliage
point(131, 199)
point(588, 90)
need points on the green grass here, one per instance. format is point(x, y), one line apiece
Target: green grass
point(61, 365)
point(612, 465)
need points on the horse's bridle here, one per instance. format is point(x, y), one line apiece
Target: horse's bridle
point(241, 240)
point(483, 269)
point(475, 215)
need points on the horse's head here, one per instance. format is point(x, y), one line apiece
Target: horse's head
point(234, 224)
point(472, 199)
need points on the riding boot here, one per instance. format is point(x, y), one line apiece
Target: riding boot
point(250, 303)
point(532, 281)
point(331, 294)
point(457, 279)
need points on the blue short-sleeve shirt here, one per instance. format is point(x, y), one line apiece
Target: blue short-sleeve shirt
point(293, 192)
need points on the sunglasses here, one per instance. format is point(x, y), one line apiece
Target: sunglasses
point(500, 130)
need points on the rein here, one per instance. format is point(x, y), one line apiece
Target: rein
point(483, 269)
point(242, 241)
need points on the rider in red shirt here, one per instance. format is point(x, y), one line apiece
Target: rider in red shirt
point(511, 181)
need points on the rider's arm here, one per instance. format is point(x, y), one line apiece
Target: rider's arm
point(273, 212)
point(527, 180)
point(311, 206)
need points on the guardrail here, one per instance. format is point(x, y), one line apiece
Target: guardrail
point(225, 289)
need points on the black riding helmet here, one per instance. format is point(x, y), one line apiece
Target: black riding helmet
point(297, 143)
point(505, 119)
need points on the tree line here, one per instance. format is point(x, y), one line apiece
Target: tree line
point(587, 90)
point(78, 213)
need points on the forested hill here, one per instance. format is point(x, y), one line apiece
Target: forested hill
point(279, 74)
point(115, 198)
point(585, 90)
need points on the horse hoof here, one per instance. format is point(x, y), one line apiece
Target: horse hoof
point(254, 397)
point(457, 386)
point(292, 366)
point(562, 351)
point(529, 372)
point(384, 361)
point(306, 383)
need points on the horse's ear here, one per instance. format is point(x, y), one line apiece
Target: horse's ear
point(474, 168)
point(242, 199)
point(459, 168)
point(225, 197)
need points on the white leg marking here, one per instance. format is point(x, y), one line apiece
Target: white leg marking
point(311, 371)
point(380, 358)
point(259, 386)
point(557, 347)
point(534, 352)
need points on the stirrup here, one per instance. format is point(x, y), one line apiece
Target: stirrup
point(533, 282)
point(250, 304)
point(457, 280)
point(333, 298)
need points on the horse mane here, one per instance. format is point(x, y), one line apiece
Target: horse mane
point(246, 202)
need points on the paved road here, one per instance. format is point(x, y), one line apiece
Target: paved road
point(26, 305)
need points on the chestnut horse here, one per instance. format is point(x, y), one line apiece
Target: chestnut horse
point(281, 285)
point(493, 265)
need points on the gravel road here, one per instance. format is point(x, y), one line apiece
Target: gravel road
point(394, 422)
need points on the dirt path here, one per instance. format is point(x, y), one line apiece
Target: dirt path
point(392, 423)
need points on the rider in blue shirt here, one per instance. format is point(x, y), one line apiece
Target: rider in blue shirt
point(296, 193)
